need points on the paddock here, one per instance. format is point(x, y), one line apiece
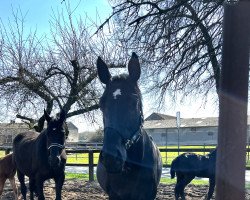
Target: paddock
point(75, 189)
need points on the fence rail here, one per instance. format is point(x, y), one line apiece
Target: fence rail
point(73, 150)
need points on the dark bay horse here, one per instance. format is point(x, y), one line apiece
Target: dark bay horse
point(130, 165)
point(8, 171)
point(187, 166)
point(41, 157)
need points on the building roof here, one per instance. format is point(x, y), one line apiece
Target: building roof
point(185, 122)
point(159, 116)
point(72, 126)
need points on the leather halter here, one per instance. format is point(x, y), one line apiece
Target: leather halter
point(136, 136)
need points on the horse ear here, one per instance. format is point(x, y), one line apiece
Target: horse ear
point(47, 117)
point(134, 68)
point(103, 71)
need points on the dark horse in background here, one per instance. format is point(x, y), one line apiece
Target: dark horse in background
point(187, 166)
point(130, 165)
point(41, 157)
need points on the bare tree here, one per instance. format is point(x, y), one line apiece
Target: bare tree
point(178, 40)
point(52, 72)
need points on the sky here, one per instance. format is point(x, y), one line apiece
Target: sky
point(37, 15)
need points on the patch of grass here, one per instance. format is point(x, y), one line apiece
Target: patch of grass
point(168, 181)
point(2, 154)
point(77, 175)
point(247, 185)
point(81, 158)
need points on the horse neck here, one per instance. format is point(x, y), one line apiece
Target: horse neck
point(42, 140)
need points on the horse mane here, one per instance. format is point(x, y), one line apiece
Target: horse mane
point(123, 76)
point(126, 78)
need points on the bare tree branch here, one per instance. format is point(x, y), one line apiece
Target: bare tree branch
point(179, 42)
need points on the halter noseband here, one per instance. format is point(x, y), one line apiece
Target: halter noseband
point(136, 136)
point(56, 145)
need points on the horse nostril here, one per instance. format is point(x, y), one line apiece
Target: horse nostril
point(113, 162)
point(59, 159)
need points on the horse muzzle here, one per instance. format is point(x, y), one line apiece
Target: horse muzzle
point(55, 162)
point(113, 165)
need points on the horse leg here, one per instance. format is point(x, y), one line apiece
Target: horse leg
point(177, 191)
point(39, 188)
point(59, 183)
point(20, 177)
point(14, 187)
point(32, 188)
point(186, 180)
point(211, 188)
point(2, 181)
point(177, 186)
point(114, 197)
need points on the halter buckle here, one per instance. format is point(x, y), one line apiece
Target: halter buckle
point(134, 139)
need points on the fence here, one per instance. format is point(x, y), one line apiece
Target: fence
point(168, 154)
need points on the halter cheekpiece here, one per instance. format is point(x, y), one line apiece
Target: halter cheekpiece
point(134, 139)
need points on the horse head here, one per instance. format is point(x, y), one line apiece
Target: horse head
point(55, 138)
point(121, 106)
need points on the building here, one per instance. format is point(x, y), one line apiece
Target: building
point(192, 131)
point(9, 130)
point(86, 136)
point(73, 133)
point(159, 116)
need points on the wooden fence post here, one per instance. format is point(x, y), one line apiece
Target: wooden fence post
point(7, 151)
point(91, 165)
point(233, 98)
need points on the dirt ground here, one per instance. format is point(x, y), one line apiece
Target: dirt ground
point(75, 189)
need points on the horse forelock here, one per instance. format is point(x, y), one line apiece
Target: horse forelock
point(120, 77)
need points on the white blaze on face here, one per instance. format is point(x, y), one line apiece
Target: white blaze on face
point(116, 93)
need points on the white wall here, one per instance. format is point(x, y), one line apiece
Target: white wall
point(187, 136)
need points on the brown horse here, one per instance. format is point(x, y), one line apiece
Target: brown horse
point(8, 171)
